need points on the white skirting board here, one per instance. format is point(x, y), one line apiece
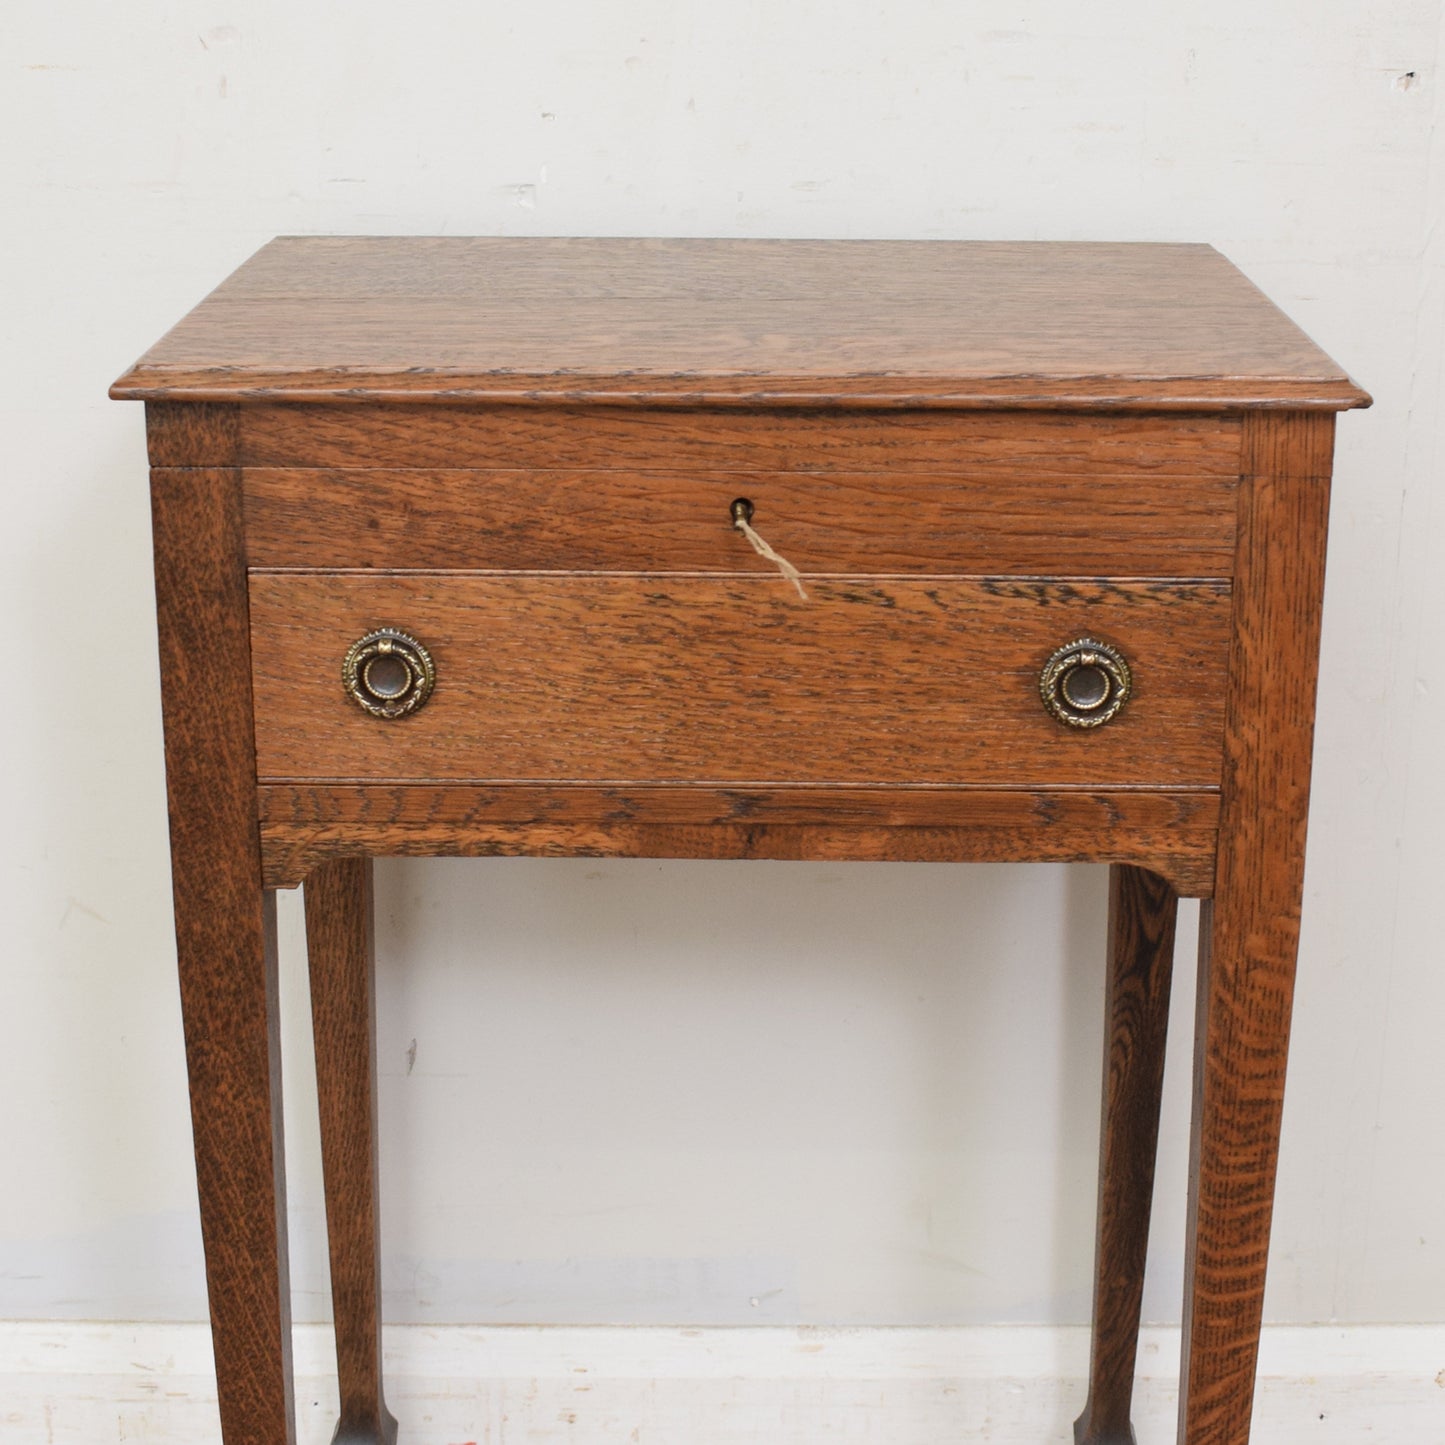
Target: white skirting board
point(85, 1384)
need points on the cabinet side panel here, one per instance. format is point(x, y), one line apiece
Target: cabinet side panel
point(192, 435)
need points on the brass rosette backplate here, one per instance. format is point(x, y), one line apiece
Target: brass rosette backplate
point(1085, 683)
point(388, 673)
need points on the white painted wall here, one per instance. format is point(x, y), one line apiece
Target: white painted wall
point(732, 1092)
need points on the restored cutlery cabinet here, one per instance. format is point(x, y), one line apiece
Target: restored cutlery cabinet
point(451, 559)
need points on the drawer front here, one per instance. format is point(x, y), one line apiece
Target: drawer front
point(964, 522)
point(732, 681)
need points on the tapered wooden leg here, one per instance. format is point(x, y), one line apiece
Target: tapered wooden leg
point(225, 940)
point(228, 1000)
point(1142, 911)
point(1250, 931)
point(340, 944)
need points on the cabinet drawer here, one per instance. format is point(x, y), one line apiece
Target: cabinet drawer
point(962, 522)
point(702, 679)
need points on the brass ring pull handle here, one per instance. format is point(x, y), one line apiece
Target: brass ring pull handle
point(1085, 683)
point(388, 674)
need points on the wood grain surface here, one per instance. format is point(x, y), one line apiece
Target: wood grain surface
point(1142, 912)
point(1173, 833)
point(341, 952)
point(902, 806)
point(1184, 856)
point(225, 944)
point(859, 323)
point(196, 434)
point(695, 679)
point(859, 522)
point(627, 439)
point(1250, 933)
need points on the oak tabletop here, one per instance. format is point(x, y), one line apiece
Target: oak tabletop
point(963, 324)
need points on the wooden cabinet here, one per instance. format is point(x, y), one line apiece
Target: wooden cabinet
point(447, 563)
